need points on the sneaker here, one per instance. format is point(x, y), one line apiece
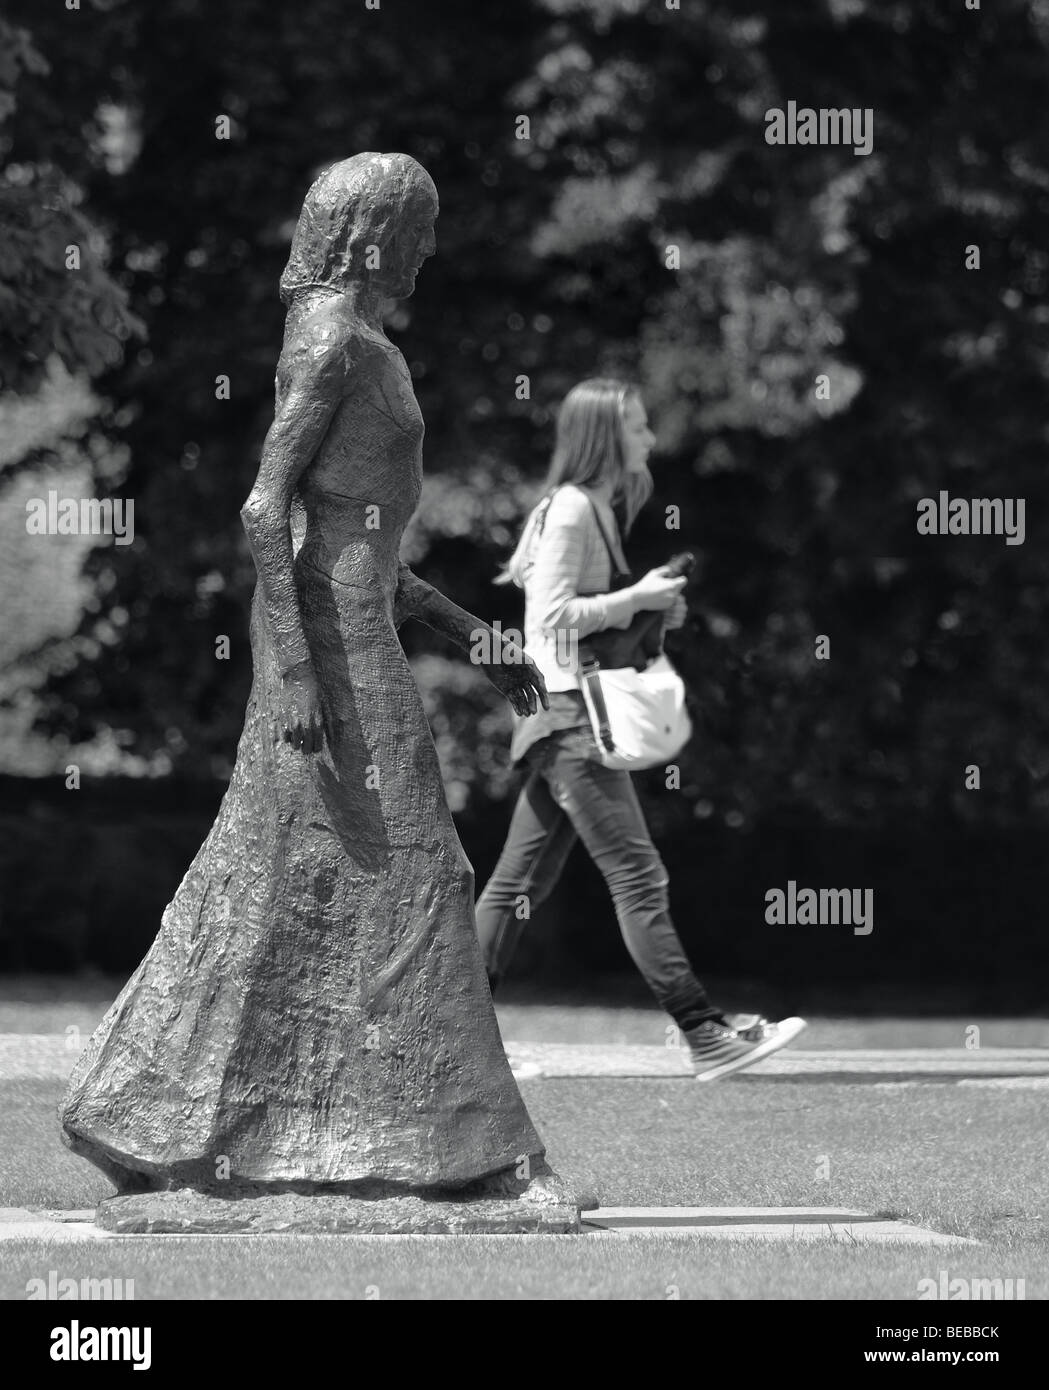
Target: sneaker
point(744, 1023)
point(716, 1050)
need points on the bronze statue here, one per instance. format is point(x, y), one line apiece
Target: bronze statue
point(314, 1016)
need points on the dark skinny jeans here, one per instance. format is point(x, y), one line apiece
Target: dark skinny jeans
point(569, 797)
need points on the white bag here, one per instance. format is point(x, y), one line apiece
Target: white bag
point(639, 718)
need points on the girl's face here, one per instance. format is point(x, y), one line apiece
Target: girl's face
point(638, 439)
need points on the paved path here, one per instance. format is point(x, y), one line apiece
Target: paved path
point(17, 1223)
point(766, 1223)
point(994, 1065)
point(704, 1223)
point(47, 1057)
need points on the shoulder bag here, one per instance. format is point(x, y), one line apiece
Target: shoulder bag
point(634, 698)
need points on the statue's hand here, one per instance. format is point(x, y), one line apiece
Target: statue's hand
point(300, 718)
point(518, 678)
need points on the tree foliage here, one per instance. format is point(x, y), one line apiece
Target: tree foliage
point(644, 227)
point(45, 311)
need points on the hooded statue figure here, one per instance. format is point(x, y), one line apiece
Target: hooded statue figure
point(314, 1010)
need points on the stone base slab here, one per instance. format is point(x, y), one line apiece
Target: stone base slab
point(188, 1212)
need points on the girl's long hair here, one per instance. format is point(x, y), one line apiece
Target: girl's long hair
point(588, 449)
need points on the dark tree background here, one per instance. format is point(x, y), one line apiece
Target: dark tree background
point(645, 141)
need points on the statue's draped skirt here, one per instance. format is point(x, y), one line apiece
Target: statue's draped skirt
point(314, 1007)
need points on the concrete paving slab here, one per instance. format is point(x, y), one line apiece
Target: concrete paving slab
point(18, 1223)
point(919, 1064)
point(766, 1223)
point(43, 1056)
point(707, 1223)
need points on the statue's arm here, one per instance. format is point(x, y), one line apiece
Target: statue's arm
point(417, 599)
point(505, 665)
point(313, 381)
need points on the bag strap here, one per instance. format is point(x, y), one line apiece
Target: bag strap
point(540, 513)
point(617, 573)
point(600, 724)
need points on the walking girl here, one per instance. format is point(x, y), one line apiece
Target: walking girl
point(564, 563)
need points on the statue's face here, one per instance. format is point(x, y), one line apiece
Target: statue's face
point(412, 244)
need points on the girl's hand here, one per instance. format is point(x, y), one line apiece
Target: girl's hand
point(676, 615)
point(657, 591)
point(300, 718)
point(519, 680)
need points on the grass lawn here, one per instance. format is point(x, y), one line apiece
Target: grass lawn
point(509, 1267)
point(962, 1159)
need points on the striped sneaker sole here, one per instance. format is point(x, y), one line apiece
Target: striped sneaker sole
point(733, 1055)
